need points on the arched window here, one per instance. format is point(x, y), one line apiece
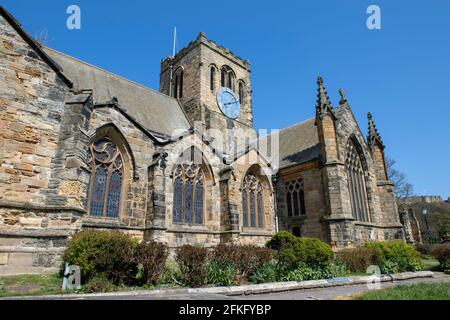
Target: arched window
point(212, 78)
point(178, 85)
point(241, 92)
point(230, 81)
point(227, 77)
point(104, 190)
point(252, 202)
point(356, 183)
point(295, 198)
point(223, 76)
point(188, 194)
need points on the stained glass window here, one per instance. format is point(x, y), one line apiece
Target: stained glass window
point(295, 198)
point(356, 183)
point(252, 202)
point(189, 194)
point(104, 189)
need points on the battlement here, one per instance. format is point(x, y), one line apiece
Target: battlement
point(203, 40)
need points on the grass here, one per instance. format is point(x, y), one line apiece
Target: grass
point(423, 291)
point(29, 285)
point(431, 264)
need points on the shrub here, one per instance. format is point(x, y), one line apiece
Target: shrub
point(442, 254)
point(359, 258)
point(102, 252)
point(244, 259)
point(193, 264)
point(424, 249)
point(304, 272)
point(282, 240)
point(396, 256)
point(171, 274)
point(98, 284)
point(221, 274)
point(151, 256)
point(267, 272)
point(292, 252)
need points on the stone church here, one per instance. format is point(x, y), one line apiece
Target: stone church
point(82, 148)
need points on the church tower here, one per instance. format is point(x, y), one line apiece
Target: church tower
point(213, 86)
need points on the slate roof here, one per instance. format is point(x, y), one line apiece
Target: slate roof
point(298, 144)
point(157, 112)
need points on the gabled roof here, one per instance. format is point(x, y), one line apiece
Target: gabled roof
point(34, 45)
point(297, 144)
point(157, 112)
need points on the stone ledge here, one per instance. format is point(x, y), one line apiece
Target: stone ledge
point(37, 233)
point(23, 249)
point(258, 288)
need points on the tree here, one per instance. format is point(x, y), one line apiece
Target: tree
point(402, 187)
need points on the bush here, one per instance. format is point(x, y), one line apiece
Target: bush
point(171, 274)
point(102, 252)
point(442, 254)
point(304, 272)
point(244, 259)
point(424, 249)
point(151, 257)
point(396, 256)
point(221, 274)
point(265, 273)
point(281, 240)
point(99, 284)
point(359, 259)
point(293, 252)
point(193, 265)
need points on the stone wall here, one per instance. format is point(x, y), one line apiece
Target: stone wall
point(311, 225)
point(34, 223)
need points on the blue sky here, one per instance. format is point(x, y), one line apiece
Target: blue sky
point(399, 73)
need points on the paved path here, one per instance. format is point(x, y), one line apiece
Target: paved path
point(329, 293)
point(340, 292)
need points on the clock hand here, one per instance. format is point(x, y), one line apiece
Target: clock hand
point(226, 104)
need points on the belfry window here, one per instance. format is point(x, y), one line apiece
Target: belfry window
point(241, 92)
point(178, 85)
point(356, 183)
point(295, 198)
point(212, 78)
point(104, 190)
point(188, 194)
point(252, 202)
point(227, 77)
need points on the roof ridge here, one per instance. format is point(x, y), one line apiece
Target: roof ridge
point(287, 128)
point(109, 72)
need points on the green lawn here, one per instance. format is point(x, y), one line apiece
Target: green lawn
point(431, 264)
point(423, 291)
point(29, 285)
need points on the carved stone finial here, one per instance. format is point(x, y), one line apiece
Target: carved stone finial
point(343, 98)
point(374, 136)
point(323, 101)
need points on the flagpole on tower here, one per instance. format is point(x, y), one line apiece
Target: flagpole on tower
point(174, 41)
point(173, 56)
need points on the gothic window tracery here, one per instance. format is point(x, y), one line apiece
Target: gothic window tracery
point(356, 183)
point(295, 198)
point(252, 202)
point(189, 194)
point(104, 190)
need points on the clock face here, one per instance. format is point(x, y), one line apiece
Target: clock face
point(228, 103)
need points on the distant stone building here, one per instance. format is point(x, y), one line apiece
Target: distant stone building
point(82, 148)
